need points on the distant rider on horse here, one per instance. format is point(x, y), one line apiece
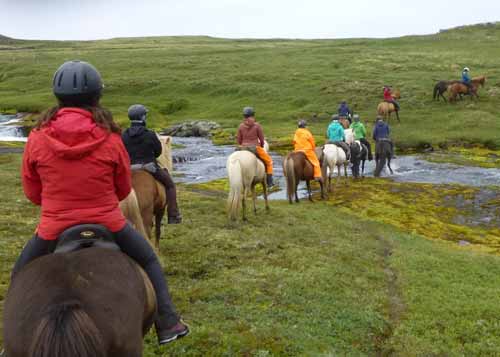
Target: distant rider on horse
point(466, 79)
point(251, 135)
point(335, 134)
point(76, 168)
point(344, 111)
point(381, 132)
point(303, 141)
point(359, 130)
point(389, 98)
point(144, 147)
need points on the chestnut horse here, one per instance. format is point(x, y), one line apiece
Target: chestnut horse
point(92, 302)
point(385, 109)
point(151, 198)
point(297, 168)
point(459, 89)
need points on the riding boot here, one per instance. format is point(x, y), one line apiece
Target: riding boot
point(164, 177)
point(168, 325)
point(269, 180)
point(35, 248)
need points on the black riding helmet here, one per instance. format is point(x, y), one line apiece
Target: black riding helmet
point(302, 123)
point(137, 113)
point(248, 112)
point(77, 82)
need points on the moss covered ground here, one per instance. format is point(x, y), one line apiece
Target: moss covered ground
point(311, 279)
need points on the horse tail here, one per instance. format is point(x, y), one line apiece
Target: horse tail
point(235, 188)
point(67, 330)
point(290, 178)
point(436, 90)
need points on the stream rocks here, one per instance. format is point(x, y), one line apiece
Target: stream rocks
point(197, 128)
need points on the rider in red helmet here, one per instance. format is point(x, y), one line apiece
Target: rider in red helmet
point(76, 167)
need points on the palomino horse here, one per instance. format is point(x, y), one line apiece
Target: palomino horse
point(297, 168)
point(245, 171)
point(383, 155)
point(385, 109)
point(459, 89)
point(333, 156)
point(359, 155)
point(150, 195)
point(90, 303)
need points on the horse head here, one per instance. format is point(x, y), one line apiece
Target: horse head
point(396, 94)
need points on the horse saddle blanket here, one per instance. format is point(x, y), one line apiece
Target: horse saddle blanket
point(252, 149)
point(149, 167)
point(85, 236)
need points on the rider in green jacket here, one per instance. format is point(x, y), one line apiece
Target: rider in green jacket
point(359, 130)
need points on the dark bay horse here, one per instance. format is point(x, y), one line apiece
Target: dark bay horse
point(297, 168)
point(359, 155)
point(89, 303)
point(383, 156)
point(460, 89)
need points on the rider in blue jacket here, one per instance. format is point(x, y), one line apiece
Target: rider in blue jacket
point(344, 110)
point(466, 78)
point(335, 134)
point(381, 132)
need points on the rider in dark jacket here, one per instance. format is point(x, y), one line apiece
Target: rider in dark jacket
point(144, 147)
point(381, 132)
point(345, 111)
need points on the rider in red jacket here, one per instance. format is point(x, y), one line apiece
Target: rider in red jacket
point(76, 167)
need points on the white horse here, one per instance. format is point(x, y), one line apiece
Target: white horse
point(349, 136)
point(333, 156)
point(245, 171)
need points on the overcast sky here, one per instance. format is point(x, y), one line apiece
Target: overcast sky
point(99, 19)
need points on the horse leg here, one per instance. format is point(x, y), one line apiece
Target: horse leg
point(264, 189)
point(389, 165)
point(254, 200)
point(158, 218)
point(397, 116)
point(309, 193)
point(363, 168)
point(244, 204)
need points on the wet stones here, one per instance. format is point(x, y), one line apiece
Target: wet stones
point(196, 128)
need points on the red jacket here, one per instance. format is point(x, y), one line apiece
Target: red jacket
point(388, 94)
point(77, 171)
point(250, 133)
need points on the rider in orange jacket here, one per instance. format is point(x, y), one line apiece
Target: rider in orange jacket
point(303, 140)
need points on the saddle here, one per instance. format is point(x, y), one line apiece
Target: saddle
point(149, 167)
point(85, 236)
point(252, 149)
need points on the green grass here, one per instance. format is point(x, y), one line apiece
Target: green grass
point(305, 280)
point(182, 78)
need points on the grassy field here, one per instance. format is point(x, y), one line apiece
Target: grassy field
point(289, 284)
point(183, 78)
point(352, 276)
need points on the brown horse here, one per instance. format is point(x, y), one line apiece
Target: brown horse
point(385, 109)
point(89, 303)
point(150, 196)
point(297, 168)
point(459, 89)
point(344, 122)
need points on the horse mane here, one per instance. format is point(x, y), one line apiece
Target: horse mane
point(165, 159)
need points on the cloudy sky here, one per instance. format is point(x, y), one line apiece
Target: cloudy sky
point(99, 19)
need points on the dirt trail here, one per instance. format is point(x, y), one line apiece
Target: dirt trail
point(396, 307)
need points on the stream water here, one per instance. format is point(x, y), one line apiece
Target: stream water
point(200, 161)
point(9, 131)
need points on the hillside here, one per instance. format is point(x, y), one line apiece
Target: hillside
point(200, 77)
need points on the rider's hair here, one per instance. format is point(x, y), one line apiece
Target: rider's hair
point(102, 116)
